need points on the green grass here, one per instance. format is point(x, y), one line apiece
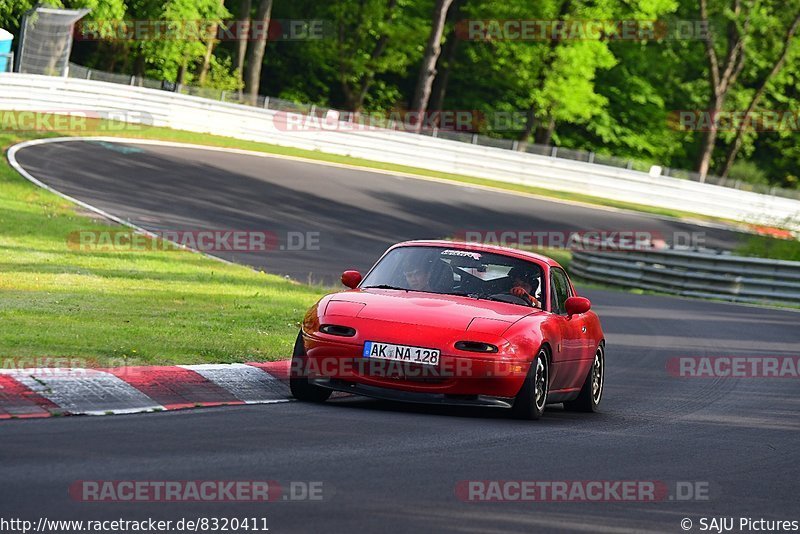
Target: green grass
point(562, 255)
point(128, 307)
point(770, 247)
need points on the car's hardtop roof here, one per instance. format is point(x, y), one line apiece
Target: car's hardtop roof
point(480, 247)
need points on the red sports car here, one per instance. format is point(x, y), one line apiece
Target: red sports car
point(454, 323)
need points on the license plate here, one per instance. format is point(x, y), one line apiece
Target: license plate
point(401, 353)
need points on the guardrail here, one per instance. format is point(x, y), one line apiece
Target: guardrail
point(25, 92)
point(688, 273)
point(279, 104)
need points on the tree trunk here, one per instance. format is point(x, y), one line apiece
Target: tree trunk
point(733, 151)
point(109, 50)
point(531, 123)
point(201, 78)
point(427, 72)
point(241, 46)
point(138, 65)
point(722, 78)
point(709, 141)
point(255, 65)
point(355, 96)
point(445, 64)
point(545, 135)
point(181, 74)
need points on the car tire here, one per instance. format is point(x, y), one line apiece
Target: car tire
point(592, 391)
point(532, 397)
point(299, 385)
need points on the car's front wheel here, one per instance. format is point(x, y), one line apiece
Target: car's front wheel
point(299, 385)
point(592, 391)
point(532, 397)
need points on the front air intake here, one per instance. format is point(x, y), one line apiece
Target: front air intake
point(337, 330)
point(476, 346)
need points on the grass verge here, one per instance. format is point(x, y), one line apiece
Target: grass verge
point(770, 247)
point(127, 307)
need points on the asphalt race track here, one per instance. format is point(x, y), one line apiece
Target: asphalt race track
point(386, 467)
point(356, 214)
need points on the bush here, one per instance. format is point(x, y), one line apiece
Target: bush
point(749, 172)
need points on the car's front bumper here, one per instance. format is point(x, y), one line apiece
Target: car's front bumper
point(412, 396)
point(462, 375)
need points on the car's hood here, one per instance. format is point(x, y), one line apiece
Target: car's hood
point(443, 311)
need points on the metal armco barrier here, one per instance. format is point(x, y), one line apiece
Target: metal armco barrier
point(692, 274)
point(23, 92)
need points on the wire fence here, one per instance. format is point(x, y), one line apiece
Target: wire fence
point(278, 104)
point(46, 40)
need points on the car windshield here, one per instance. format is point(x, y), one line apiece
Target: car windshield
point(455, 272)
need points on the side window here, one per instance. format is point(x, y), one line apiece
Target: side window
point(559, 291)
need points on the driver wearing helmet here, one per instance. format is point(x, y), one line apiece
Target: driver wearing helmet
point(525, 284)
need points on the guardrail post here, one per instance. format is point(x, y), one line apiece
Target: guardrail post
point(88, 74)
point(591, 157)
point(629, 165)
point(222, 95)
point(554, 152)
point(266, 102)
point(133, 80)
point(435, 132)
point(474, 139)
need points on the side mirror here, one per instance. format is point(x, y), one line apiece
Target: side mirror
point(577, 305)
point(351, 279)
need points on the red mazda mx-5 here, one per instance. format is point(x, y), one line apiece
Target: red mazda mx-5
point(454, 323)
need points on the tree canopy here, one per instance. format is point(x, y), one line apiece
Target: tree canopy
point(598, 90)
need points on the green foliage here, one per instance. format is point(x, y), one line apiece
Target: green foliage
point(613, 97)
point(100, 9)
point(749, 172)
point(221, 75)
point(164, 58)
point(11, 13)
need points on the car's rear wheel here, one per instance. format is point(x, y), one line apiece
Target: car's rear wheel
point(299, 385)
point(532, 397)
point(592, 390)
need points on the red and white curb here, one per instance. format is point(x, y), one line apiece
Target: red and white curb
point(26, 393)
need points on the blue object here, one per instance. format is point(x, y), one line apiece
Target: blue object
point(5, 48)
